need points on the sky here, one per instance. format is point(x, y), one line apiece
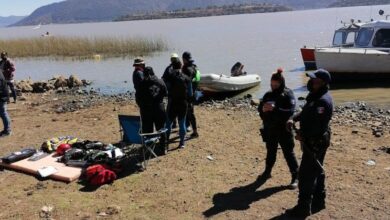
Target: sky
point(22, 7)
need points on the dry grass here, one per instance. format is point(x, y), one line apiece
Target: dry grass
point(81, 47)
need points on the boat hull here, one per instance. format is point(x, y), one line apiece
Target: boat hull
point(308, 57)
point(354, 64)
point(214, 83)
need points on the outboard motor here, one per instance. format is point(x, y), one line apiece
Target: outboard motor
point(237, 69)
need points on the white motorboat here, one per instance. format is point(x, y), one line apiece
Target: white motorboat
point(219, 83)
point(343, 37)
point(368, 59)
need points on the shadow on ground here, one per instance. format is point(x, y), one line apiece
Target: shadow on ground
point(240, 198)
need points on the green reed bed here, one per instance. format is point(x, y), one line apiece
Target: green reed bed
point(81, 47)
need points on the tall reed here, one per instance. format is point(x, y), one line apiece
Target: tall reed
point(81, 46)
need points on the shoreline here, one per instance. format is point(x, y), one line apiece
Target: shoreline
point(185, 184)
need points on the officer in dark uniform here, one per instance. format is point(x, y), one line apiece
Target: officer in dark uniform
point(190, 69)
point(315, 136)
point(275, 109)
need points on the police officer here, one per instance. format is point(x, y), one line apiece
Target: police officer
point(190, 69)
point(275, 109)
point(180, 93)
point(315, 136)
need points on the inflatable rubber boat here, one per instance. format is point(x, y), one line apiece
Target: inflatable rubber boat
point(214, 83)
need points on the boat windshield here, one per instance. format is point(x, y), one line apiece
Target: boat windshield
point(364, 37)
point(344, 38)
point(382, 38)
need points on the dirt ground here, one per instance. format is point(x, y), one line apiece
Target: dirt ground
point(185, 184)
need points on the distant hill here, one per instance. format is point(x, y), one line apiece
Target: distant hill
point(207, 12)
point(77, 11)
point(5, 21)
point(348, 3)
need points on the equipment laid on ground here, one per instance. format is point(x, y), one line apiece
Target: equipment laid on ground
point(64, 173)
point(19, 155)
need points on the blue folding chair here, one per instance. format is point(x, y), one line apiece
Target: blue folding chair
point(131, 134)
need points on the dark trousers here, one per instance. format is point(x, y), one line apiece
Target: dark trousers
point(12, 88)
point(286, 141)
point(191, 119)
point(177, 109)
point(311, 176)
point(153, 117)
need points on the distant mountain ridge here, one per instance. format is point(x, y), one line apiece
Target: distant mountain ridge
point(5, 21)
point(77, 11)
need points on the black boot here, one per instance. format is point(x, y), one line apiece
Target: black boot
point(266, 174)
point(318, 204)
point(294, 181)
point(162, 150)
point(299, 211)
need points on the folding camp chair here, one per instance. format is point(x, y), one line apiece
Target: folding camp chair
point(131, 134)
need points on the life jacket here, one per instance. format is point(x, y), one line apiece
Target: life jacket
point(98, 175)
point(196, 79)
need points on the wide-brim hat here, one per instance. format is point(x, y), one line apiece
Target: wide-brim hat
point(139, 61)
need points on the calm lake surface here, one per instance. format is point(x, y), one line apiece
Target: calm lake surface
point(263, 42)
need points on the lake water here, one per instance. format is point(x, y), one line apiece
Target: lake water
point(263, 42)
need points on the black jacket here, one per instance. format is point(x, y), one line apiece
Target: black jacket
point(138, 77)
point(151, 91)
point(316, 114)
point(4, 93)
point(189, 70)
point(284, 101)
point(167, 75)
point(180, 86)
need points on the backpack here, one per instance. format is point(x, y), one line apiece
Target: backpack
point(99, 175)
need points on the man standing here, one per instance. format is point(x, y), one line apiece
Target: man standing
point(180, 93)
point(152, 91)
point(315, 137)
point(166, 77)
point(275, 109)
point(4, 99)
point(168, 70)
point(190, 69)
point(138, 76)
point(8, 68)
